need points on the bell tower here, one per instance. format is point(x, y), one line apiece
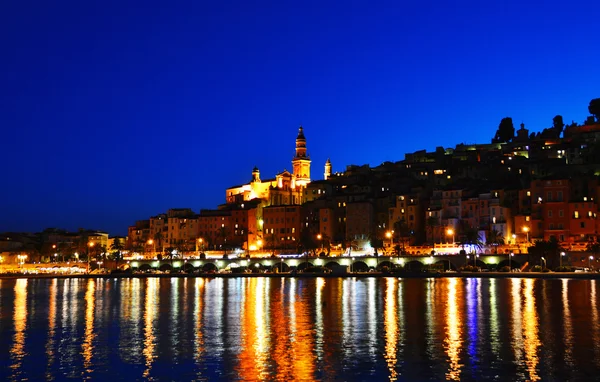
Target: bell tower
point(327, 169)
point(301, 161)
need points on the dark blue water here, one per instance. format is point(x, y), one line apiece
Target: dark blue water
point(369, 329)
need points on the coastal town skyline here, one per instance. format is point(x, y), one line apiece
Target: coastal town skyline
point(106, 120)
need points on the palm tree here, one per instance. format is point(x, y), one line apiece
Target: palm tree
point(117, 248)
point(402, 230)
point(472, 238)
point(495, 238)
point(431, 223)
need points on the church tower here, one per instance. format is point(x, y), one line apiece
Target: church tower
point(327, 169)
point(255, 175)
point(301, 161)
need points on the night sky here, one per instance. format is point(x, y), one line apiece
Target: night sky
point(115, 111)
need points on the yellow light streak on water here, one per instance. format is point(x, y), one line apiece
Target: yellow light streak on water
point(453, 341)
point(567, 323)
point(390, 323)
point(531, 340)
point(51, 326)
point(87, 347)
point(494, 327)
point(319, 317)
point(595, 323)
point(517, 328)
point(17, 352)
point(150, 314)
point(198, 314)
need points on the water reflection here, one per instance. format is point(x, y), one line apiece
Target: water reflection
point(51, 327)
point(254, 344)
point(151, 301)
point(595, 321)
point(495, 340)
point(390, 323)
point(88, 338)
point(17, 352)
point(567, 325)
point(531, 341)
point(453, 341)
point(300, 329)
point(198, 315)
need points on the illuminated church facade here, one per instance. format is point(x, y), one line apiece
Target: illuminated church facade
point(285, 189)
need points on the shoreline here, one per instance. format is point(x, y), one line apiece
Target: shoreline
point(423, 275)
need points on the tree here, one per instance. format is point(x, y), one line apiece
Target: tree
point(505, 132)
point(495, 238)
point(117, 251)
point(558, 125)
point(431, 223)
point(594, 108)
point(549, 250)
point(158, 239)
point(402, 231)
point(471, 237)
point(593, 247)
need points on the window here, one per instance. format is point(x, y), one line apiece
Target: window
point(561, 213)
point(582, 225)
point(576, 214)
point(549, 213)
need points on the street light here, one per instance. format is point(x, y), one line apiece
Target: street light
point(544, 266)
point(526, 230)
point(562, 254)
point(389, 235)
point(320, 237)
point(514, 237)
point(151, 242)
point(91, 245)
point(200, 240)
point(509, 261)
point(590, 262)
point(450, 232)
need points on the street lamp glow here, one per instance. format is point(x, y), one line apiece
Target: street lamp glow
point(450, 232)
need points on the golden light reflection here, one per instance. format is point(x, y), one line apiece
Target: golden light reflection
point(531, 340)
point(453, 340)
point(517, 328)
point(279, 332)
point(567, 323)
point(175, 317)
point(319, 317)
point(150, 314)
point(198, 310)
point(390, 323)
point(301, 329)
point(595, 323)
point(51, 326)
point(17, 352)
point(494, 327)
point(254, 333)
point(88, 339)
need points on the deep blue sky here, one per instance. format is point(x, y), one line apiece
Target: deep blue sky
point(115, 111)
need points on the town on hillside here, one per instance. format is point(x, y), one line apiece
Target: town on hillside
point(522, 192)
